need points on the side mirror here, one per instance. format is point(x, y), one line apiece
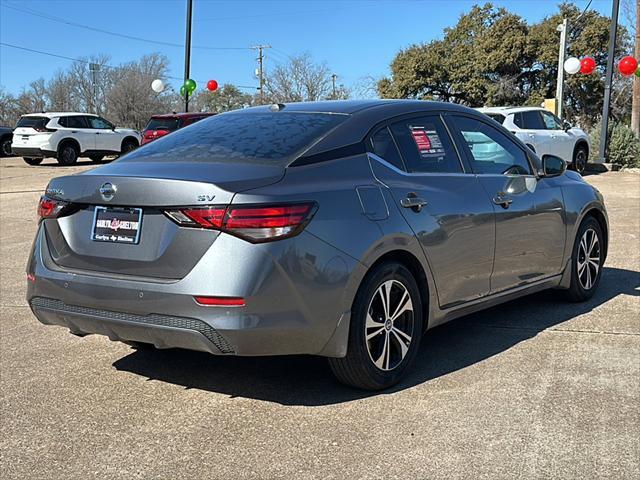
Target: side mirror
point(566, 125)
point(553, 166)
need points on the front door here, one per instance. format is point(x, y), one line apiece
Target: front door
point(107, 140)
point(530, 231)
point(562, 139)
point(447, 209)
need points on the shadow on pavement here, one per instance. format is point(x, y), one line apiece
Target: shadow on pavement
point(307, 380)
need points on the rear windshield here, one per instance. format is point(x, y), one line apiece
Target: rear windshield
point(170, 124)
point(33, 122)
point(274, 138)
point(496, 116)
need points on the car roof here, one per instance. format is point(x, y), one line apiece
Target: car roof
point(58, 114)
point(182, 115)
point(508, 110)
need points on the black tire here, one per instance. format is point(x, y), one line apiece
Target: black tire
point(580, 158)
point(32, 161)
point(128, 145)
point(68, 154)
point(5, 147)
point(96, 158)
point(583, 283)
point(358, 368)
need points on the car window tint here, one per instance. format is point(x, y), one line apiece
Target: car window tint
point(425, 146)
point(97, 122)
point(76, 121)
point(241, 136)
point(383, 146)
point(496, 116)
point(62, 121)
point(163, 123)
point(551, 122)
point(33, 122)
point(517, 120)
point(532, 120)
point(490, 150)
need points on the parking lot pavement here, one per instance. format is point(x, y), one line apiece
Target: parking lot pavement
point(536, 388)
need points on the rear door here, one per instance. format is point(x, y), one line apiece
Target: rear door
point(447, 209)
point(530, 231)
point(78, 128)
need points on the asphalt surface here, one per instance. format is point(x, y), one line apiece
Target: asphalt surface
point(537, 388)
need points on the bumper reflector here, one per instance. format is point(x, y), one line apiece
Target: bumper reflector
point(220, 301)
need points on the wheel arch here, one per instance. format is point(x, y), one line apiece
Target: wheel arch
point(69, 140)
point(128, 139)
point(581, 142)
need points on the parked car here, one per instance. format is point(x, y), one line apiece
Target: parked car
point(160, 125)
point(67, 136)
point(342, 229)
point(6, 134)
point(544, 133)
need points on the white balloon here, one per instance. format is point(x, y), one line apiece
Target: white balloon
point(572, 65)
point(157, 85)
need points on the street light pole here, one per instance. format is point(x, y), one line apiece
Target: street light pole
point(604, 132)
point(562, 28)
point(187, 54)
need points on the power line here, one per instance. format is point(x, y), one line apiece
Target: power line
point(36, 13)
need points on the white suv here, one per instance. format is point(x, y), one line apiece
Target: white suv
point(66, 136)
point(544, 133)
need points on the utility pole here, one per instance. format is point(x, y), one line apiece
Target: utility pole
point(94, 68)
point(333, 80)
point(613, 32)
point(187, 53)
point(563, 29)
point(635, 102)
point(260, 59)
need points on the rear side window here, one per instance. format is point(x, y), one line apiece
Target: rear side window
point(169, 124)
point(76, 121)
point(425, 146)
point(246, 137)
point(531, 120)
point(33, 122)
point(382, 145)
point(496, 116)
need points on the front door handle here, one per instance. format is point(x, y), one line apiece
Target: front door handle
point(503, 200)
point(413, 202)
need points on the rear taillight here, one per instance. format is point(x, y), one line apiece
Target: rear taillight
point(51, 208)
point(254, 223)
point(44, 129)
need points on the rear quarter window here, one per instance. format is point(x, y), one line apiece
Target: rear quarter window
point(241, 137)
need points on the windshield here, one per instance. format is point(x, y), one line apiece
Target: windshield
point(170, 124)
point(274, 138)
point(33, 122)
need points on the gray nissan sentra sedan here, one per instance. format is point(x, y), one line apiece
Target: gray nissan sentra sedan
point(341, 229)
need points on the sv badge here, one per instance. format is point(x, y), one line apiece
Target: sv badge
point(206, 198)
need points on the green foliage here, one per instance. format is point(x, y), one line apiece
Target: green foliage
point(229, 97)
point(624, 145)
point(493, 57)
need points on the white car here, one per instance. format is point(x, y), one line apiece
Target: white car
point(544, 133)
point(67, 136)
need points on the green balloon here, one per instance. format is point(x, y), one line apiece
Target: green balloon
point(190, 85)
point(183, 91)
point(638, 72)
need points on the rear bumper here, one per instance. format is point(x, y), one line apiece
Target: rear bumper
point(291, 308)
point(32, 152)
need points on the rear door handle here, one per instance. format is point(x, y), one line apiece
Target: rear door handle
point(413, 202)
point(502, 200)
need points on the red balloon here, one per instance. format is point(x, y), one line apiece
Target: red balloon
point(628, 65)
point(212, 85)
point(587, 65)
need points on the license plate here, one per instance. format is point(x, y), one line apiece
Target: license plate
point(117, 225)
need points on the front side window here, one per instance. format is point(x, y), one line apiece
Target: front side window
point(100, 123)
point(490, 151)
point(551, 122)
point(382, 145)
point(425, 146)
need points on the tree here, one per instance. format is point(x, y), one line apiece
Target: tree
point(492, 57)
point(300, 80)
point(229, 97)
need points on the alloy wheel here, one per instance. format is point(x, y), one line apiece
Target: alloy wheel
point(389, 325)
point(588, 259)
point(581, 161)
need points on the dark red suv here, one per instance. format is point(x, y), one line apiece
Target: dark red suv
point(160, 125)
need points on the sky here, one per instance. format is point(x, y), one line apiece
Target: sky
point(356, 38)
